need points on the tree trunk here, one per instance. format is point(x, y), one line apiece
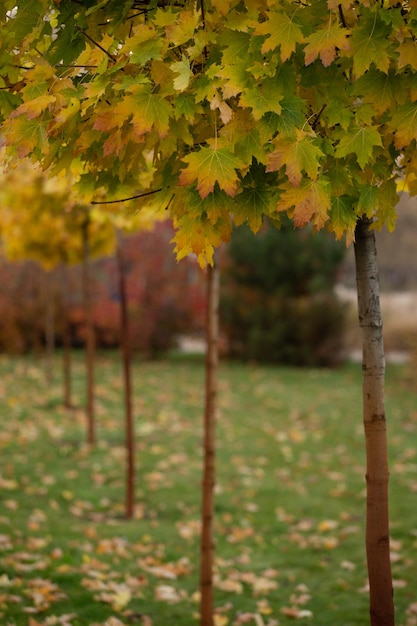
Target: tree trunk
point(127, 359)
point(49, 324)
point(377, 474)
point(90, 339)
point(66, 339)
point(207, 540)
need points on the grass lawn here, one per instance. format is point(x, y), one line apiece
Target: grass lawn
point(289, 506)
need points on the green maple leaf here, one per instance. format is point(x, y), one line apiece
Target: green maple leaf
point(368, 200)
point(292, 114)
point(148, 109)
point(263, 99)
point(324, 42)
point(360, 141)
point(383, 91)
point(211, 165)
point(258, 197)
point(343, 218)
point(369, 45)
point(282, 31)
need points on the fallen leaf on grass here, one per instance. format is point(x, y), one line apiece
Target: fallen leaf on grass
point(119, 598)
point(189, 529)
point(295, 612)
point(170, 571)
point(229, 585)
point(165, 593)
point(42, 592)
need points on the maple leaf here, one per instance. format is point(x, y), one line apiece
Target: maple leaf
point(263, 99)
point(343, 218)
point(404, 124)
point(383, 91)
point(257, 198)
point(183, 70)
point(360, 141)
point(184, 27)
point(310, 202)
point(26, 135)
point(150, 110)
point(298, 155)
point(199, 236)
point(282, 31)
point(407, 52)
point(211, 165)
point(370, 44)
point(34, 108)
point(324, 42)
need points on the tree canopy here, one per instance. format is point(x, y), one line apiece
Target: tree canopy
point(220, 110)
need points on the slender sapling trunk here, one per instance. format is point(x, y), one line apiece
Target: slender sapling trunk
point(377, 474)
point(90, 339)
point(66, 339)
point(207, 517)
point(49, 325)
point(127, 377)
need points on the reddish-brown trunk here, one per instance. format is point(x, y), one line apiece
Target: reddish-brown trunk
point(66, 340)
point(90, 338)
point(127, 359)
point(207, 517)
point(377, 473)
point(49, 325)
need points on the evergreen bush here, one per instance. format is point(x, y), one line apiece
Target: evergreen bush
point(278, 303)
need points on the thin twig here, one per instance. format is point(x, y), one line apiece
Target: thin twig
point(87, 36)
point(342, 16)
point(140, 195)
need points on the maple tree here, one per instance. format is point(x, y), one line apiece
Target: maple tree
point(222, 111)
point(42, 220)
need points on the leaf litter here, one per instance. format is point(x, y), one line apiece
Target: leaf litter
point(287, 502)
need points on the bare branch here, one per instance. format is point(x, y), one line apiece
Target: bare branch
point(87, 36)
point(140, 195)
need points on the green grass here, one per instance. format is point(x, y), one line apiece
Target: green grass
point(289, 503)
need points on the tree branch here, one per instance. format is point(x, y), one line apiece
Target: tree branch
point(87, 36)
point(140, 195)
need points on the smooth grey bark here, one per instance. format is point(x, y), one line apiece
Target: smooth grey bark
point(209, 476)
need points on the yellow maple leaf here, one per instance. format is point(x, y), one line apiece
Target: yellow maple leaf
point(34, 108)
point(324, 42)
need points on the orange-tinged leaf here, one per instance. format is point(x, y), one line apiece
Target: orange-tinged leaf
point(297, 155)
point(114, 117)
point(198, 235)
point(324, 42)
point(310, 202)
point(26, 135)
point(34, 108)
point(211, 165)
